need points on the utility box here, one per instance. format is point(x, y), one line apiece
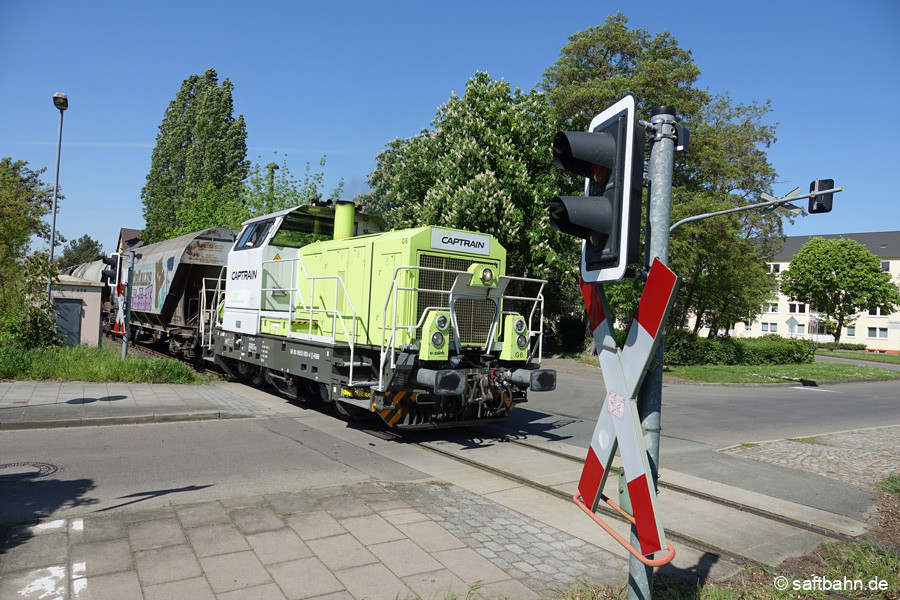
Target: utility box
point(76, 306)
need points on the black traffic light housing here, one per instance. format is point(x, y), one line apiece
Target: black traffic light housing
point(820, 203)
point(112, 273)
point(610, 155)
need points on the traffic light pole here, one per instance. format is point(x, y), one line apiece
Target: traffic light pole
point(127, 331)
point(660, 169)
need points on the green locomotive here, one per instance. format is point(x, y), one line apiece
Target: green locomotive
point(418, 326)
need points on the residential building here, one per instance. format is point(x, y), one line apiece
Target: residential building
point(879, 332)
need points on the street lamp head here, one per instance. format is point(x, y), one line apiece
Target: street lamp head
point(60, 101)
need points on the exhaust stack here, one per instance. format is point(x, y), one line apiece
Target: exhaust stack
point(344, 212)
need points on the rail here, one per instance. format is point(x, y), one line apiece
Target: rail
point(459, 290)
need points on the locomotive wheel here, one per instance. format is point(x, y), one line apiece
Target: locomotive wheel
point(250, 374)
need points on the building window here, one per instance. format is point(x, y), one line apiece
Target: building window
point(796, 308)
point(765, 327)
point(748, 326)
point(801, 328)
point(885, 265)
point(876, 312)
point(773, 327)
point(851, 331)
point(770, 308)
point(878, 332)
point(774, 268)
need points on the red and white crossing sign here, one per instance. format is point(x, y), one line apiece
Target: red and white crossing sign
point(619, 424)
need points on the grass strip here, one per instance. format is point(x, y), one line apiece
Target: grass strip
point(809, 373)
point(83, 363)
point(893, 359)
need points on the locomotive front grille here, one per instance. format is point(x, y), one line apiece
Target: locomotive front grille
point(474, 316)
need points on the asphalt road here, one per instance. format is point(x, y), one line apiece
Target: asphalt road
point(727, 415)
point(126, 466)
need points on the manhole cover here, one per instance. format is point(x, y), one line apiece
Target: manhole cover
point(26, 470)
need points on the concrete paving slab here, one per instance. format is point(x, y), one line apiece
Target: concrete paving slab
point(371, 529)
point(235, 571)
point(278, 546)
point(157, 533)
point(341, 552)
point(210, 540)
point(163, 565)
point(372, 581)
point(305, 578)
point(195, 589)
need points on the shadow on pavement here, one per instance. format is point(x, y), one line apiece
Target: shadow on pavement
point(29, 498)
point(141, 496)
point(90, 400)
point(695, 577)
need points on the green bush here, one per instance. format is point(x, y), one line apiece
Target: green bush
point(840, 346)
point(686, 348)
point(33, 328)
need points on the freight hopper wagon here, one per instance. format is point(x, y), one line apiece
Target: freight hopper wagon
point(419, 326)
point(166, 288)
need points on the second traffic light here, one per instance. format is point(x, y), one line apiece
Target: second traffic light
point(112, 273)
point(610, 155)
point(820, 203)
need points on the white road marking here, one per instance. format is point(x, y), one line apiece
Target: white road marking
point(813, 389)
point(45, 587)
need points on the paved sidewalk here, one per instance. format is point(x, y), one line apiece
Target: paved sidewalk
point(370, 540)
point(39, 404)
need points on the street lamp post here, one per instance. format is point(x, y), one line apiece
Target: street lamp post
point(61, 102)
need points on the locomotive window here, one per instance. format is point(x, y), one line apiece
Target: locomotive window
point(254, 235)
point(298, 230)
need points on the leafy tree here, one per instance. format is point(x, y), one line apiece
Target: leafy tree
point(485, 165)
point(200, 156)
point(84, 249)
point(722, 259)
point(601, 64)
point(263, 194)
point(839, 277)
point(24, 201)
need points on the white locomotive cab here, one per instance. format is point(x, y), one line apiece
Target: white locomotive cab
point(244, 274)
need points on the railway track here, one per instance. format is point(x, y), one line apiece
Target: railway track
point(740, 506)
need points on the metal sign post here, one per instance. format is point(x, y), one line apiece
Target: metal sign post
point(649, 399)
point(127, 330)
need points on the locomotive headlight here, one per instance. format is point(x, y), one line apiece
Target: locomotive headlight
point(521, 341)
point(437, 339)
point(441, 322)
point(487, 275)
point(519, 325)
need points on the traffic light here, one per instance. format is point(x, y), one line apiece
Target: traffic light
point(821, 203)
point(610, 155)
point(112, 273)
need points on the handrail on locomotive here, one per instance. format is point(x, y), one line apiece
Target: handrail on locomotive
point(459, 290)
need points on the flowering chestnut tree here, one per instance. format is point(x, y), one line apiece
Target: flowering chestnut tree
point(484, 165)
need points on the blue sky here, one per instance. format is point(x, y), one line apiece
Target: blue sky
point(344, 78)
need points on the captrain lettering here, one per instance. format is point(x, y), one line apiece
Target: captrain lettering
point(247, 274)
point(462, 242)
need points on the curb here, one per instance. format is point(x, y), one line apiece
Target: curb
point(209, 415)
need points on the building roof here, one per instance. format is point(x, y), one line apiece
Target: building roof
point(128, 239)
point(883, 244)
point(68, 280)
